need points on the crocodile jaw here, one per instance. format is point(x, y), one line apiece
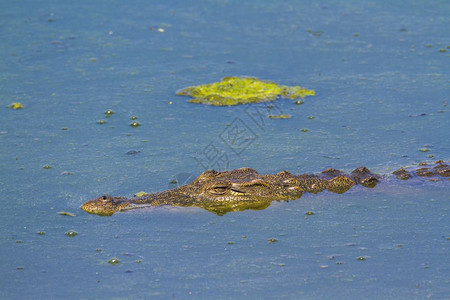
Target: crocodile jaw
point(105, 205)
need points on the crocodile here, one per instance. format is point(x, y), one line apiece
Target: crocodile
point(245, 188)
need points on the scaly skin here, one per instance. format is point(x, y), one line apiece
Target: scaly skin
point(241, 189)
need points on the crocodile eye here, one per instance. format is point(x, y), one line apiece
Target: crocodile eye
point(219, 190)
point(104, 198)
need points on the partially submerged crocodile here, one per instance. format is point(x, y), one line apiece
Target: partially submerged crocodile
point(241, 189)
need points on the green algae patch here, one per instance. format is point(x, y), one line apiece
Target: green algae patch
point(242, 90)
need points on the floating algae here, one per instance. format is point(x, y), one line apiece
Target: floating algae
point(278, 116)
point(242, 90)
point(16, 105)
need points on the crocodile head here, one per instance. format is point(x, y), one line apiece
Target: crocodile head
point(218, 192)
point(244, 184)
point(105, 205)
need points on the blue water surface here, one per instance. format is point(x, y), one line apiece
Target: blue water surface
point(380, 70)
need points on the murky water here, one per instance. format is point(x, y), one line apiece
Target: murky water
point(381, 74)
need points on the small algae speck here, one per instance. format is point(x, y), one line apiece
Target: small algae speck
point(114, 261)
point(279, 116)
point(109, 113)
point(132, 152)
point(135, 124)
point(65, 213)
point(16, 105)
point(242, 90)
point(316, 33)
point(71, 233)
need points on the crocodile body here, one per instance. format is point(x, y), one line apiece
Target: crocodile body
point(245, 188)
